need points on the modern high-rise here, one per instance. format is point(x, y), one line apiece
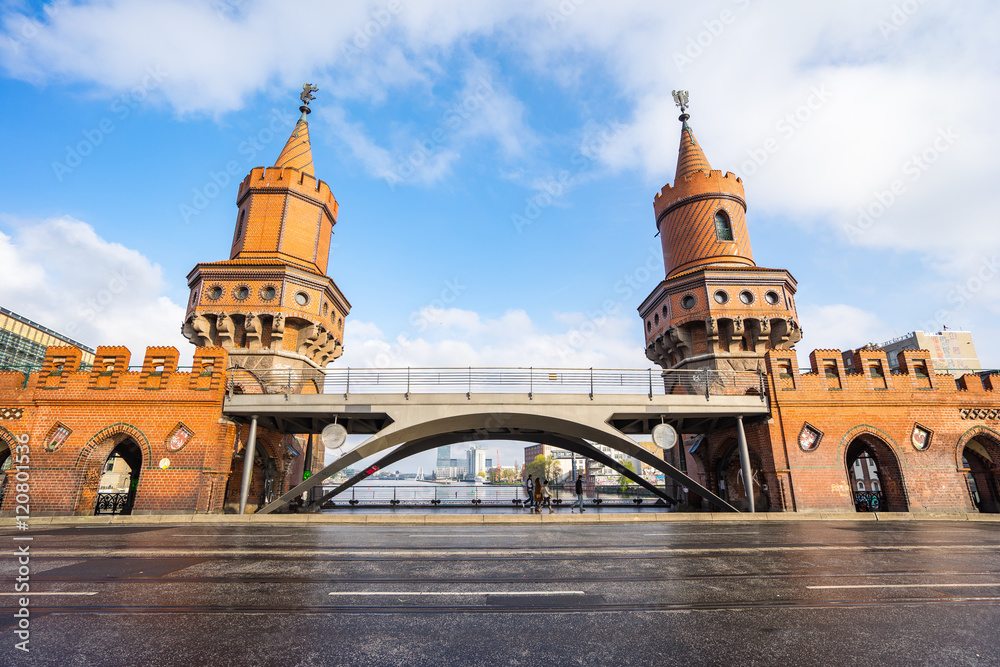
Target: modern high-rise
point(23, 342)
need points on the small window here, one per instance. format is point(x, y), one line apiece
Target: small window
point(302, 298)
point(241, 293)
point(688, 301)
point(649, 326)
point(746, 297)
point(664, 311)
point(215, 292)
point(267, 293)
point(239, 227)
point(723, 229)
point(721, 297)
point(772, 298)
point(656, 320)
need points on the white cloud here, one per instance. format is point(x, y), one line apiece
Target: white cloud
point(458, 338)
point(838, 327)
point(61, 274)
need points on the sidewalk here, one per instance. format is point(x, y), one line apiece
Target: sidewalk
point(408, 519)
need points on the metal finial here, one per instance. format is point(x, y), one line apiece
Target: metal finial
point(307, 95)
point(681, 99)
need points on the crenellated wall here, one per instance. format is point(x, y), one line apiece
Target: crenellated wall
point(74, 419)
point(918, 421)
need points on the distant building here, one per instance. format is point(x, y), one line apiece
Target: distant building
point(448, 467)
point(476, 461)
point(951, 351)
point(23, 342)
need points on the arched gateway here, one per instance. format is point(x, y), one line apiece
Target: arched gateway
point(874, 475)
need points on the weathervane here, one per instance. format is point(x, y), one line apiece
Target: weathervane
point(681, 99)
point(307, 95)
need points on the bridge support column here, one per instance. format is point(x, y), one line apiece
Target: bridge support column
point(248, 456)
point(741, 439)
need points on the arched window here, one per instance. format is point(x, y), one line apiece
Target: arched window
point(861, 486)
point(723, 229)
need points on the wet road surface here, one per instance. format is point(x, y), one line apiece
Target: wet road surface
point(802, 593)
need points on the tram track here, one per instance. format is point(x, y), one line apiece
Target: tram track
point(635, 578)
point(505, 606)
point(490, 553)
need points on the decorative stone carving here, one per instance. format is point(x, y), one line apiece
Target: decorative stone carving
point(252, 328)
point(226, 329)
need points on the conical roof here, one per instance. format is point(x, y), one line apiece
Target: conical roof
point(297, 152)
point(690, 157)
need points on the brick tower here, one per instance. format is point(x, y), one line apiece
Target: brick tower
point(271, 304)
point(715, 308)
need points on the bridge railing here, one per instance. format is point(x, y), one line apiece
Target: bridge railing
point(530, 381)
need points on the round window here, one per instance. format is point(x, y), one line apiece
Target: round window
point(302, 298)
point(721, 297)
point(215, 292)
point(688, 301)
point(772, 298)
point(241, 293)
point(267, 293)
point(746, 297)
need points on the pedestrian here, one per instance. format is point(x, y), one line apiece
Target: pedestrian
point(538, 495)
point(579, 493)
point(529, 490)
point(547, 496)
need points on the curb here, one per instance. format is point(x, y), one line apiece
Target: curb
point(485, 519)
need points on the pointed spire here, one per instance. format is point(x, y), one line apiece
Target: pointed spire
point(690, 158)
point(297, 152)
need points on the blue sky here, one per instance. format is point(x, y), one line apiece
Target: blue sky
point(496, 162)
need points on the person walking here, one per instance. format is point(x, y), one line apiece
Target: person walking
point(547, 496)
point(529, 490)
point(538, 495)
point(579, 493)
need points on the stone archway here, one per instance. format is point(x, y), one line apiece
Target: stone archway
point(94, 456)
point(119, 481)
point(980, 463)
point(266, 479)
point(7, 445)
point(729, 478)
point(871, 462)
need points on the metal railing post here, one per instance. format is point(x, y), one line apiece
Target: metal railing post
point(468, 394)
point(347, 389)
point(650, 384)
point(591, 383)
point(706, 384)
point(407, 394)
point(531, 382)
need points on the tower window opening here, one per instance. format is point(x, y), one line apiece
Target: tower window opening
point(656, 320)
point(723, 228)
point(688, 301)
point(239, 227)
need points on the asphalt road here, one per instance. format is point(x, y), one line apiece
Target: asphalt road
point(796, 593)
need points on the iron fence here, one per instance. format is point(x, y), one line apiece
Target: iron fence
point(111, 503)
point(442, 495)
point(530, 381)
